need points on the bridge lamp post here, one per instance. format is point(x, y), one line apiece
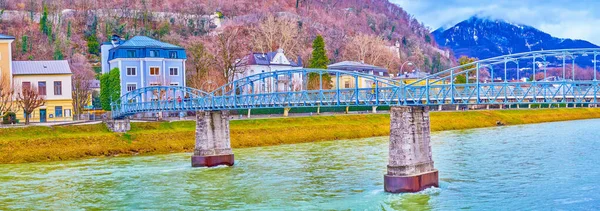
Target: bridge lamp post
point(402, 66)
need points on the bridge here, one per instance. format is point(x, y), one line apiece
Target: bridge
point(552, 77)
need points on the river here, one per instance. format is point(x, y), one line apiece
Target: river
point(539, 166)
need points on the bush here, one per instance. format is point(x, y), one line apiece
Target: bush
point(9, 118)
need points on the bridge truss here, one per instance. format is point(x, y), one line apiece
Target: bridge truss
point(553, 77)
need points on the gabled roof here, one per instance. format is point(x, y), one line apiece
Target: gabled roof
point(41, 67)
point(144, 42)
point(6, 37)
point(267, 58)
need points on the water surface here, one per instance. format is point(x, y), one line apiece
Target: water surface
point(531, 167)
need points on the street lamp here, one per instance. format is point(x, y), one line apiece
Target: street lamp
point(402, 66)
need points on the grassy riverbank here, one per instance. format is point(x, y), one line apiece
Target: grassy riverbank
point(34, 144)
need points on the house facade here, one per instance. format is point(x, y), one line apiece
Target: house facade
point(257, 63)
point(52, 79)
point(143, 62)
point(347, 81)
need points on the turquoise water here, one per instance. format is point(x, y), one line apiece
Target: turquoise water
point(530, 167)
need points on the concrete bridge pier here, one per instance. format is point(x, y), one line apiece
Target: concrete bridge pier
point(410, 167)
point(213, 146)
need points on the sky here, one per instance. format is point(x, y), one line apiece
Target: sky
point(576, 19)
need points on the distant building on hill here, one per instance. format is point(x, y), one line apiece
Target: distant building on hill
point(144, 62)
point(257, 63)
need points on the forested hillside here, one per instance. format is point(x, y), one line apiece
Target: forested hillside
point(217, 33)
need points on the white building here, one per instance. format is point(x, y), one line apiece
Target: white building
point(257, 63)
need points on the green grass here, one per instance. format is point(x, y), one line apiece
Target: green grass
point(34, 144)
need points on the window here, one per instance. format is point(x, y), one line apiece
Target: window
point(58, 112)
point(26, 85)
point(130, 53)
point(57, 88)
point(42, 87)
point(174, 84)
point(154, 83)
point(346, 83)
point(154, 71)
point(131, 87)
point(154, 53)
point(131, 71)
point(173, 71)
point(173, 54)
point(67, 112)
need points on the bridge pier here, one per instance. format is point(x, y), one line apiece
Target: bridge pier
point(374, 109)
point(213, 146)
point(286, 111)
point(410, 167)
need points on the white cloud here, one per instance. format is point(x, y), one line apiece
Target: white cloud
point(560, 18)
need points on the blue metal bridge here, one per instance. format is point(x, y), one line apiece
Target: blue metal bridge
point(552, 77)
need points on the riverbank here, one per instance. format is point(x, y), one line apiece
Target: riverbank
point(35, 144)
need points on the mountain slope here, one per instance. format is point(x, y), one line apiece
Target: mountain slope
point(485, 38)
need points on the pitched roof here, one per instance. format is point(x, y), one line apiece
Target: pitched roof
point(41, 67)
point(6, 37)
point(267, 58)
point(143, 41)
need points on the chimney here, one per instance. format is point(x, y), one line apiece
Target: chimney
point(115, 40)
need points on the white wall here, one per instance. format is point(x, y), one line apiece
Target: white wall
point(49, 79)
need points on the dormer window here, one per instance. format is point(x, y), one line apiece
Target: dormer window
point(173, 54)
point(130, 53)
point(154, 53)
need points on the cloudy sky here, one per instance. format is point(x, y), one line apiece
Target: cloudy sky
point(577, 19)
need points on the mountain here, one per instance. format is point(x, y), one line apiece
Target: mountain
point(484, 38)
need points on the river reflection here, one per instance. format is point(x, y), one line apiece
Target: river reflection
point(542, 166)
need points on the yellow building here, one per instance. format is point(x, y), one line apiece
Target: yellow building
point(52, 79)
point(349, 81)
point(5, 56)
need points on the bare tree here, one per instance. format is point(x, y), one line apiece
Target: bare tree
point(29, 99)
point(6, 95)
point(278, 32)
point(230, 52)
point(82, 78)
point(200, 62)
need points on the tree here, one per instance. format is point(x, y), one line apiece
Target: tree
point(200, 61)
point(69, 30)
point(319, 60)
point(464, 60)
point(277, 32)
point(44, 21)
point(58, 55)
point(24, 44)
point(29, 99)
point(81, 79)
point(110, 88)
point(369, 49)
point(6, 95)
point(230, 48)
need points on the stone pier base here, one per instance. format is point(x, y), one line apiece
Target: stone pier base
point(118, 125)
point(213, 146)
point(410, 167)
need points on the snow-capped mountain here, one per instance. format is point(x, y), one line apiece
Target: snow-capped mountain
point(484, 38)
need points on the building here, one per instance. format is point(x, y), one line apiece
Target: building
point(411, 77)
point(144, 62)
point(53, 80)
point(257, 63)
point(347, 81)
point(5, 56)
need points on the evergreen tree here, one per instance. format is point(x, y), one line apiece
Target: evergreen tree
point(58, 55)
point(319, 60)
point(319, 55)
point(93, 45)
point(104, 92)
point(44, 21)
point(24, 44)
point(69, 30)
point(110, 88)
